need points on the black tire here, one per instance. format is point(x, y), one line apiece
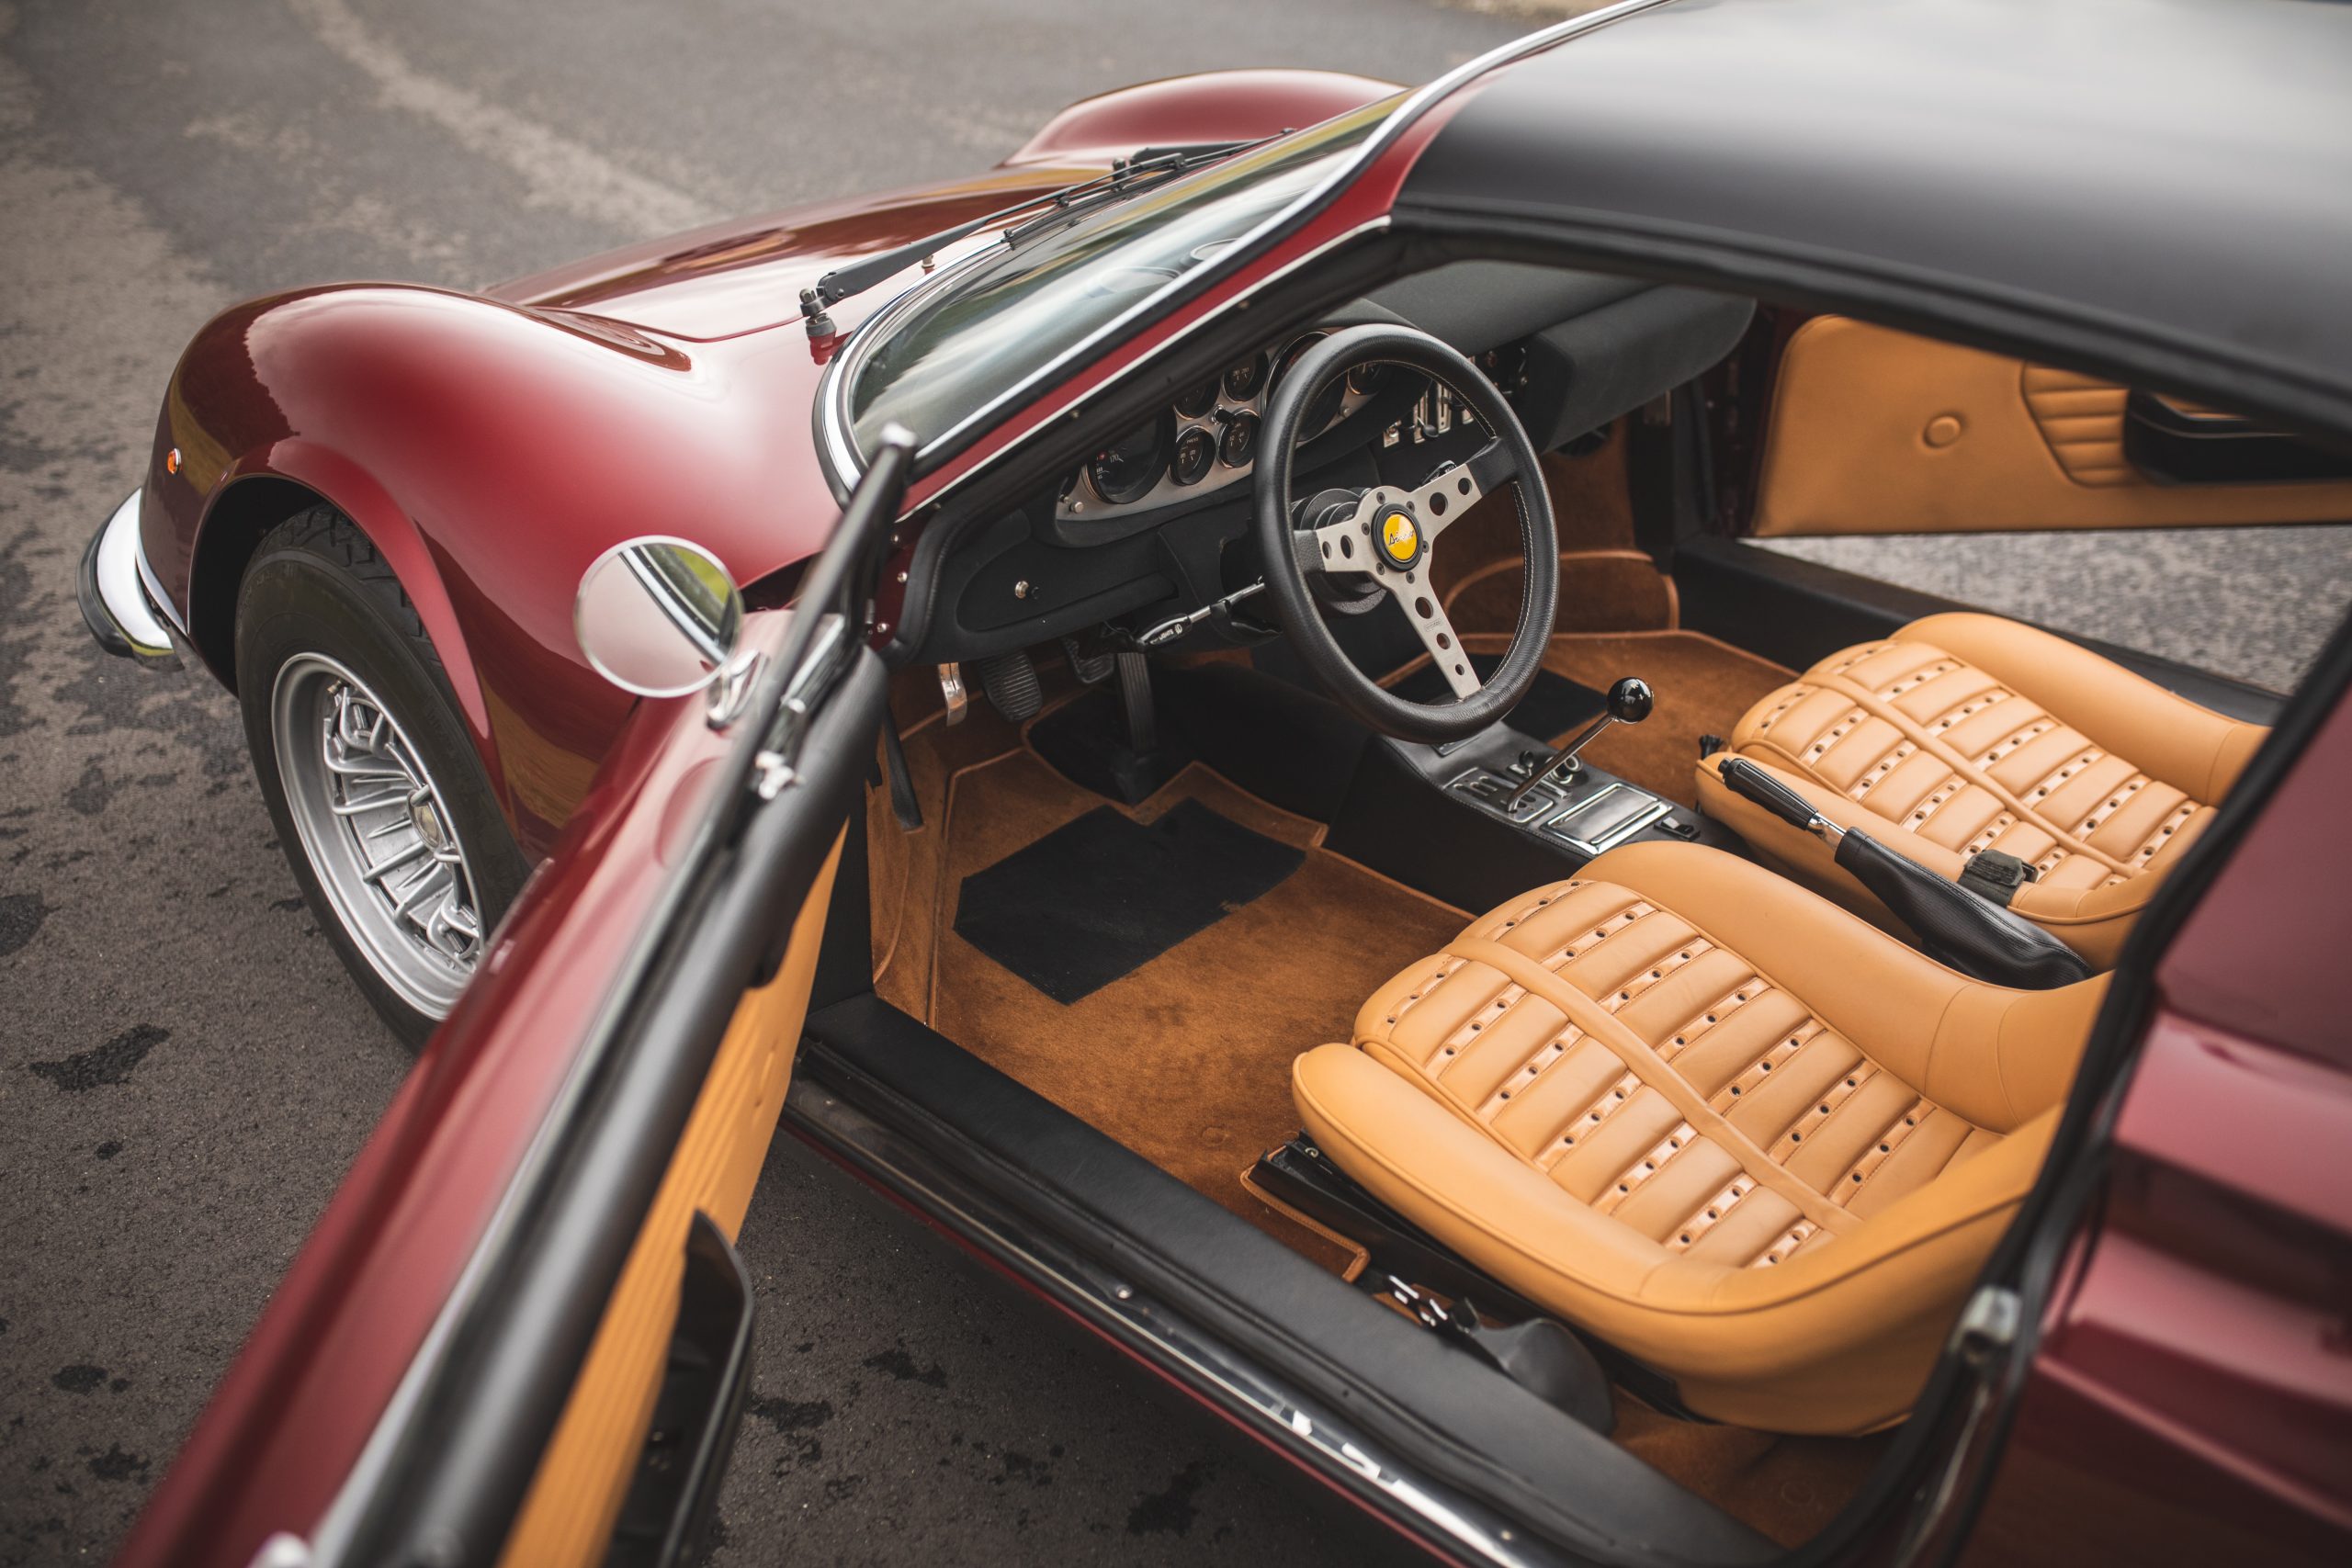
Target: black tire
point(316, 587)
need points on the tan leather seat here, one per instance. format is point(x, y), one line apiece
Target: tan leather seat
point(1967, 732)
point(1712, 1118)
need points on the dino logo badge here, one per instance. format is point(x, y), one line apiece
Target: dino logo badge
point(1400, 541)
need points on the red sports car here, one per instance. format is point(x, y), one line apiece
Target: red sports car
point(1202, 708)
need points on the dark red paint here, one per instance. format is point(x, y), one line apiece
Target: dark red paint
point(2192, 1397)
point(492, 446)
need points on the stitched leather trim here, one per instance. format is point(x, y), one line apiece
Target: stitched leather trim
point(1763, 1067)
point(1655, 1074)
point(1795, 1236)
point(1528, 1072)
point(1585, 1123)
point(1704, 1218)
point(1813, 1121)
point(1878, 1154)
point(1629, 1179)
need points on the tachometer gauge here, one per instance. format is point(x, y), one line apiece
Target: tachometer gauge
point(1240, 441)
point(1127, 468)
point(1197, 404)
point(1195, 450)
point(1246, 379)
point(1326, 406)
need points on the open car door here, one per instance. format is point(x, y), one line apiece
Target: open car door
point(519, 1332)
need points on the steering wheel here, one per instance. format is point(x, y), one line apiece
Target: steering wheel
point(1346, 550)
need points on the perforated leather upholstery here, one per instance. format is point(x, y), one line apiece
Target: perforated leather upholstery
point(1713, 1119)
point(1966, 732)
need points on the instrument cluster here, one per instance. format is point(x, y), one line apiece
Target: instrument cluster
point(1207, 441)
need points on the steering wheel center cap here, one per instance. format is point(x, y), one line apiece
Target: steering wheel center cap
point(1398, 537)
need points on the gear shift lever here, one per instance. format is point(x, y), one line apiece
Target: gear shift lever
point(1629, 703)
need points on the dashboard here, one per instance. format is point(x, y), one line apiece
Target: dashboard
point(1155, 523)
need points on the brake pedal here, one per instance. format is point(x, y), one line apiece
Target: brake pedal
point(1009, 683)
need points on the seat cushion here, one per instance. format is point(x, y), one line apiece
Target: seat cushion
point(1710, 1117)
point(1966, 732)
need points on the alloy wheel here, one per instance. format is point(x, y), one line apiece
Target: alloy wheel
point(377, 832)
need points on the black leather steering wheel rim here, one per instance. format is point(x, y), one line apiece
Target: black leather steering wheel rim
point(1291, 547)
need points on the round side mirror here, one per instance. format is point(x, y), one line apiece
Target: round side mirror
point(658, 616)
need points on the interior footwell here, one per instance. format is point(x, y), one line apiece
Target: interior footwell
point(1788, 1488)
point(1185, 1057)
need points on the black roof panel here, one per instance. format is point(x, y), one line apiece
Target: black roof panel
point(2175, 173)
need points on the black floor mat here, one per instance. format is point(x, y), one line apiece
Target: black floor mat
point(1554, 705)
point(1102, 897)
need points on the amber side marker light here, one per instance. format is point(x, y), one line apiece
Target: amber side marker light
point(171, 461)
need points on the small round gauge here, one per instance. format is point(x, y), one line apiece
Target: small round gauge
point(1246, 379)
point(1240, 441)
point(1127, 468)
point(1365, 379)
point(1326, 406)
point(1195, 450)
point(1197, 404)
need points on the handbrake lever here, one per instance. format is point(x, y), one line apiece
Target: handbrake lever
point(1954, 925)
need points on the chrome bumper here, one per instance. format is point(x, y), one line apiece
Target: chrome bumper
point(121, 610)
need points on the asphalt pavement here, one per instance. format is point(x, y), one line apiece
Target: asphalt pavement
point(184, 1073)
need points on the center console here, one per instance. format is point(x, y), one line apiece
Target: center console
point(1477, 822)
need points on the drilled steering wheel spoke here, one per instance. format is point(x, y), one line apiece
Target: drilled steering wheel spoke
point(1342, 544)
point(1453, 490)
point(1436, 632)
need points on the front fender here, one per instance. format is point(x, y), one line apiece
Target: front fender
point(1214, 105)
point(489, 452)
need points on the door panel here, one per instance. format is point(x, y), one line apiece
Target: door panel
point(1873, 431)
point(290, 1420)
point(569, 1514)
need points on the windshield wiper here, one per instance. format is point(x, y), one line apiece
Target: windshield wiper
point(1148, 166)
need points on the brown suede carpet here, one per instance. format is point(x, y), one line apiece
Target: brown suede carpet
point(1783, 1487)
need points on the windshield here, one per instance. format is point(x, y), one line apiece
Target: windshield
point(990, 327)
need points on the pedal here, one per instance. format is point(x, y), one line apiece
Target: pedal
point(1134, 696)
point(1091, 669)
point(1009, 683)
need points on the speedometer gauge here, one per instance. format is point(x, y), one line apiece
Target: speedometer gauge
point(1127, 468)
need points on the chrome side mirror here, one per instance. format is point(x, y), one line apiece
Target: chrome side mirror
point(659, 617)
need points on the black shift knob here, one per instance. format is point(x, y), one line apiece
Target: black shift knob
point(1630, 700)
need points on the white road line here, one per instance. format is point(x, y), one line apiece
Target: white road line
point(558, 171)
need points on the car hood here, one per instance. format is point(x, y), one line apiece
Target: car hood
point(746, 274)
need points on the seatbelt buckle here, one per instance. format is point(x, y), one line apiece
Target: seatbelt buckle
point(1991, 874)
